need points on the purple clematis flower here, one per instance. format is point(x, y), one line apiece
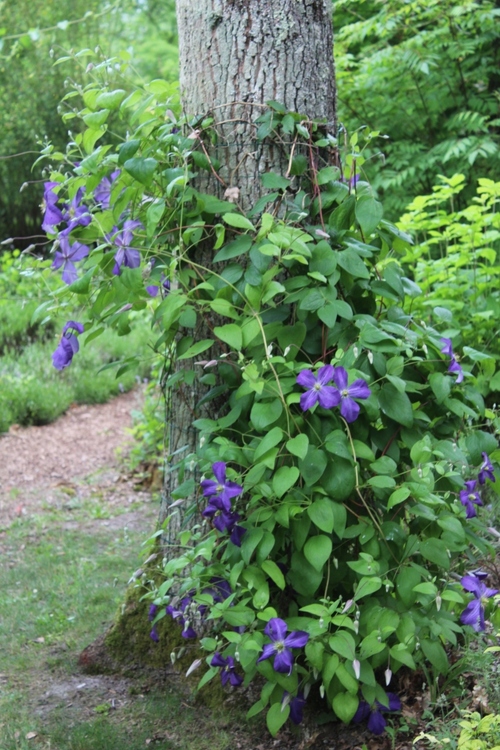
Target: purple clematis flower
point(66, 256)
point(52, 215)
point(297, 704)
point(102, 193)
point(454, 365)
point(163, 287)
point(126, 255)
point(76, 215)
point(224, 520)
point(486, 470)
point(282, 644)
point(376, 721)
point(470, 497)
point(68, 345)
point(228, 673)
point(318, 390)
point(473, 614)
point(178, 614)
point(359, 389)
point(221, 489)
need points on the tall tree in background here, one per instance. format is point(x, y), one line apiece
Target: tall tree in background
point(236, 55)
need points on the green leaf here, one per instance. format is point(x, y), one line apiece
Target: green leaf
point(96, 119)
point(313, 465)
point(264, 413)
point(238, 221)
point(239, 246)
point(441, 386)
point(314, 654)
point(342, 642)
point(350, 261)
point(111, 99)
point(251, 539)
point(128, 150)
point(142, 169)
point(367, 586)
point(435, 655)
point(274, 181)
point(396, 405)
point(271, 569)
point(317, 550)
point(230, 334)
point(398, 496)
point(298, 445)
point(276, 717)
point(383, 482)
point(369, 213)
point(435, 551)
point(401, 654)
point(321, 513)
point(268, 441)
point(197, 348)
point(284, 478)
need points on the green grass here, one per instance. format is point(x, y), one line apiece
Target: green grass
point(59, 590)
point(33, 392)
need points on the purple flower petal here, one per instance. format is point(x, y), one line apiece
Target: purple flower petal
point(359, 389)
point(306, 379)
point(276, 629)
point(349, 409)
point(448, 346)
point(328, 397)
point(362, 713)
point(267, 651)
point(325, 374)
point(296, 639)
point(340, 378)
point(376, 722)
point(283, 662)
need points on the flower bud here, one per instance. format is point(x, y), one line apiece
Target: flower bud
point(357, 668)
point(388, 676)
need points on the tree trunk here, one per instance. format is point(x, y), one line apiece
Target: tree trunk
point(235, 55)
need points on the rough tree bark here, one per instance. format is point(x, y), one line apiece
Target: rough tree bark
point(235, 55)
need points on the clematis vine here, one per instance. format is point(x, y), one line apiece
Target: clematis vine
point(473, 614)
point(221, 488)
point(52, 215)
point(470, 497)
point(102, 193)
point(454, 365)
point(68, 345)
point(154, 635)
point(163, 287)
point(374, 715)
point(76, 214)
point(296, 704)
point(281, 644)
point(228, 672)
point(66, 256)
point(178, 613)
point(347, 393)
point(486, 470)
point(126, 256)
point(318, 390)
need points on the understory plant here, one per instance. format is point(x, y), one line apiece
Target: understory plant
point(455, 262)
point(332, 505)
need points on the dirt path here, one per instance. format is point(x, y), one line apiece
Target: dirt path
point(62, 463)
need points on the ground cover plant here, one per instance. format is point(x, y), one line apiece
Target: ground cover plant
point(330, 518)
